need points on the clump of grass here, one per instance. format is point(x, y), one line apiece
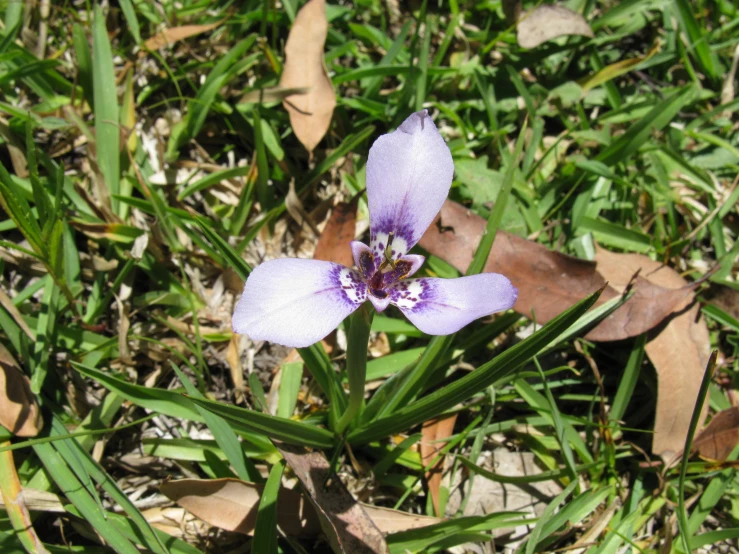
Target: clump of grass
point(139, 187)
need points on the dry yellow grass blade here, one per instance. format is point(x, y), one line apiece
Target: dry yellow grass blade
point(15, 506)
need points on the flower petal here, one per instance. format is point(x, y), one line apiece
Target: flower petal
point(444, 306)
point(364, 259)
point(297, 302)
point(409, 173)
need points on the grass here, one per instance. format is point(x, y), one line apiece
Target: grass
point(139, 187)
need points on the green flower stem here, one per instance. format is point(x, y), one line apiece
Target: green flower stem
point(356, 363)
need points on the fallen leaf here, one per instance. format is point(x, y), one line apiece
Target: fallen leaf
point(345, 523)
point(333, 244)
point(310, 113)
point(720, 436)
point(678, 349)
point(177, 522)
point(393, 521)
point(173, 34)
point(549, 282)
point(550, 21)
point(232, 504)
point(435, 432)
point(19, 411)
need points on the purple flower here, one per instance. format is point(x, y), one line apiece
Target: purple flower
point(298, 302)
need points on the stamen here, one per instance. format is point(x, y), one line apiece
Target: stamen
point(388, 252)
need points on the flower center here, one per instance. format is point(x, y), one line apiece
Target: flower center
point(388, 272)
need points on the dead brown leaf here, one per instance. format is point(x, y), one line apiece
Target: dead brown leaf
point(333, 244)
point(678, 349)
point(173, 34)
point(310, 113)
point(232, 505)
point(720, 436)
point(550, 21)
point(549, 282)
point(345, 523)
point(435, 432)
point(19, 411)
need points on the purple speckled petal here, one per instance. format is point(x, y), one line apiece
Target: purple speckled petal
point(379, 303)
point(416, 261)
point(444, 306)
point(409, 173)
point(297, 302)
point(364, 259)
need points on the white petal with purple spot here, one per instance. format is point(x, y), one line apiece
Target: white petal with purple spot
point(444, 306)
point(409, 173)
point(297, 302)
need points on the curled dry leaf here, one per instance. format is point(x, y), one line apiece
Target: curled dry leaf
point(550, 21)
point(19, 412)
point(720, 436)
point(344, 521)
point(435, 432)
point(549, 283)
point(333, 244)
point(310, 113)
point(232, 505)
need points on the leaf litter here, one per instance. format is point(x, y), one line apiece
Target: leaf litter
point(231, 504)
point(549, 282)
point(310, 113)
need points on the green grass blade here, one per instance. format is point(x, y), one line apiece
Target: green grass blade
point(286, 430)
point(496, 216)
point(223, 434)
point(640, 132)
point(698, 41)
point(682, 516)
point(78, 495)
point(107, 129)
point(291, 377)
point(265, 528)
point(628, 380)
point(487, 374)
